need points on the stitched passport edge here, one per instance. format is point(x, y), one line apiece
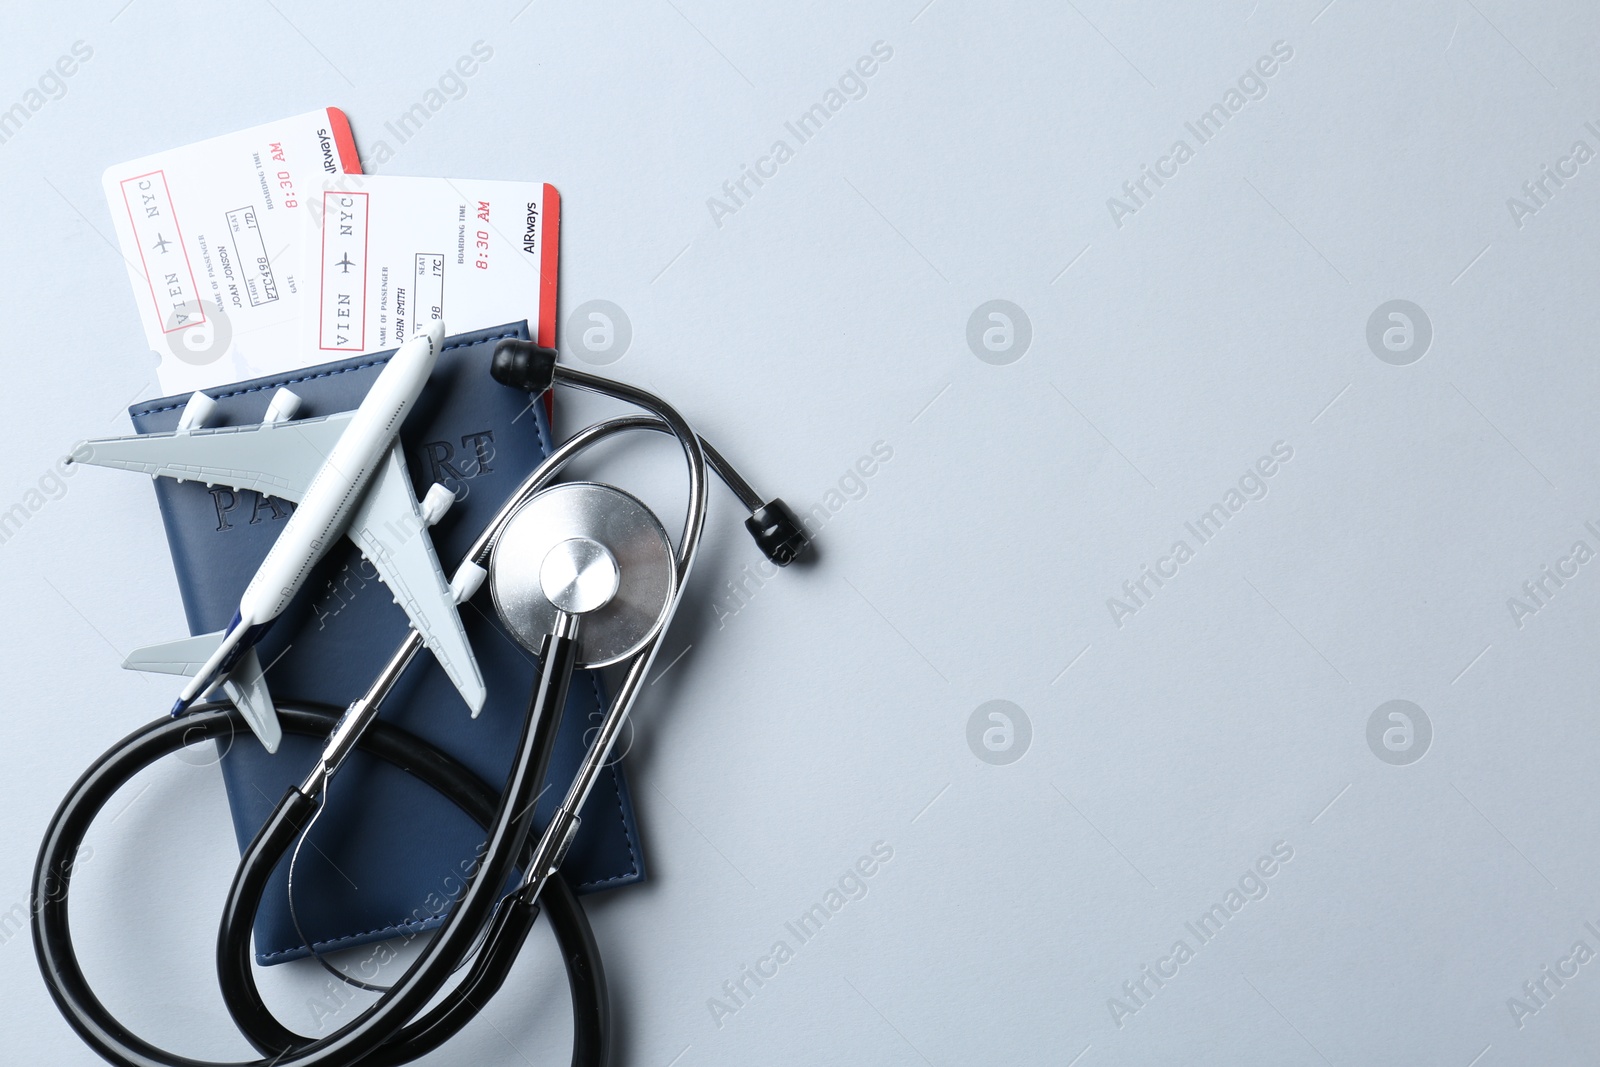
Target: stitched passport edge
point(430, 921)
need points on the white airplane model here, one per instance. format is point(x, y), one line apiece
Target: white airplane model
point(347, 475)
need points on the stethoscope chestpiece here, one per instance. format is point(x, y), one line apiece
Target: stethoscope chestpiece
point(584, 548)
point(579, 576)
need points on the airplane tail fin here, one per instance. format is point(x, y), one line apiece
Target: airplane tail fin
point(245, 686)
point(240, 636)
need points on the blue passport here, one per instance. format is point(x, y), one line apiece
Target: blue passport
point(386, 856)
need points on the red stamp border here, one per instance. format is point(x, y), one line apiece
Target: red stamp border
point(322, 273)
point(194, 286)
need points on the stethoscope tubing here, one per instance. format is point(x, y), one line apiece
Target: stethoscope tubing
point(509, 925)
point(399, 1026)
point(210, 722)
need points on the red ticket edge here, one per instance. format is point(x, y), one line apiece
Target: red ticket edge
point(344, 141)
point(549, 261)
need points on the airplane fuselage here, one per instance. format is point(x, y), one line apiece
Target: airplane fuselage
point(347, 477)
point(325, 511)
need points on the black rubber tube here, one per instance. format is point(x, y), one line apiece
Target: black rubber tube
point(102, 1032)
point(277, 836)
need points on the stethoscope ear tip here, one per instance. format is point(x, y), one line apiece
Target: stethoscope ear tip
point(779, 534)
point(523, 365)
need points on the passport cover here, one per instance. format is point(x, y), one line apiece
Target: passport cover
point(388, 851)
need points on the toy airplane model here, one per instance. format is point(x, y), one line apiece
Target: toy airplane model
point(347, 475)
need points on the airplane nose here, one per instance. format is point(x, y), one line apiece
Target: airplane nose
point(435, 332)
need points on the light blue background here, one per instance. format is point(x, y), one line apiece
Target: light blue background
point(830, 312)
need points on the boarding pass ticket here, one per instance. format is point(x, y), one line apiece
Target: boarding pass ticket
point(388, 255)
point(212, 236)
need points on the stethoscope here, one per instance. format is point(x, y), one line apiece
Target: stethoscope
point(582, 573)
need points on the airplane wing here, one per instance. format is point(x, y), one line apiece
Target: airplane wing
point(392, 534)
point(245, 686)
point(276, 459)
